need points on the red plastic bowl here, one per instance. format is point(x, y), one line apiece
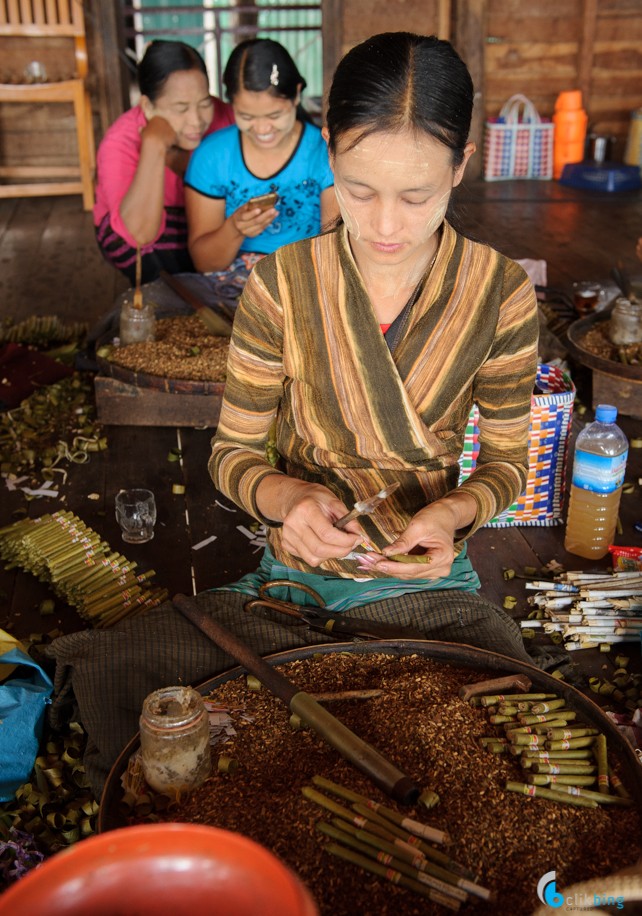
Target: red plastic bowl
point(161, 870)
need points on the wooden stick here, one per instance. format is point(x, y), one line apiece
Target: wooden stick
point(384, 774)
point(496, 685)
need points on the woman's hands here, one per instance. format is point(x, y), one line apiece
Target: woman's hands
point(250, 221)
point(308, 513)
point(142, 207)
point(214, 239)
point(158, 130)
point(430, 532)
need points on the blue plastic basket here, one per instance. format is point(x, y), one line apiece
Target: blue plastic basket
point(604, 176)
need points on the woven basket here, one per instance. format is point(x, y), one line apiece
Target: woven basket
point(518, 144)
point(551, 414)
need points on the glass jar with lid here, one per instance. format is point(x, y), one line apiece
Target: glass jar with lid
point(626, 322)
point(136, 324)
point(175, 740)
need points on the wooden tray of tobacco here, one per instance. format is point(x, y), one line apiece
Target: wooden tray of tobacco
point(616, 372)
point(184, 359)
point(501, 840)
point(590, 344)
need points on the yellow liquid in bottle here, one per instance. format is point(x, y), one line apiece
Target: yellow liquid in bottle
point(592, 518)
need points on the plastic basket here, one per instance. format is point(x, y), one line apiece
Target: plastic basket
point(519, 143)
point(542, 501)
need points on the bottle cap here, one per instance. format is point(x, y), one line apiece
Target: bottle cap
point(606, 413)
point(571, 100)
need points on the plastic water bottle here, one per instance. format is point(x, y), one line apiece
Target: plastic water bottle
point(601, 451)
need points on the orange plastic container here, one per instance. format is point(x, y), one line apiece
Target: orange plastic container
point(161, 870)
point(570, 122)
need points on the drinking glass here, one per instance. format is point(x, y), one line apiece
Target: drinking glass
point(586, 295)
point(136, 515)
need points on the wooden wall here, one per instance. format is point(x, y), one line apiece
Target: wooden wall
point(347, 22)
point(542, 48)
point(538, 49)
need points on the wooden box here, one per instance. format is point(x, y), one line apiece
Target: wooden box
point(121, 403)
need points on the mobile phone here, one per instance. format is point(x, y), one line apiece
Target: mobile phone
point(264, 201)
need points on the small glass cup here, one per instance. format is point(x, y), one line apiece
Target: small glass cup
point(136, 515)
point(586, 295)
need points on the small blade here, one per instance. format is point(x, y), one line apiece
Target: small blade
point(366, 506)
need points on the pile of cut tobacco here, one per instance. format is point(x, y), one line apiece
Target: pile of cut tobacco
point(183, 349)
point(504, 840)
point(597, 341)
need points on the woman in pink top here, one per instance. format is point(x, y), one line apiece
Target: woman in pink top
point(143, 157)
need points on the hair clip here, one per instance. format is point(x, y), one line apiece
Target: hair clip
point(274, 75)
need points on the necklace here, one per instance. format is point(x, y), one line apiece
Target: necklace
point(396, 330)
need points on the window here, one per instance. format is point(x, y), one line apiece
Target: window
point(214, 27)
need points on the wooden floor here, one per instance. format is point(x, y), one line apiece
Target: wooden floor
point(51, 265)
point(50, 262)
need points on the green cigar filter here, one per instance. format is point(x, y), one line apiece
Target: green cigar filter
point(618, 785)
point(569, 744)
point(493, 700)
point(373, 820)
point(601, 757)
point(389, 857)
point(406, 823)
point(504, 709)
point(420, 863)
point(543, 779)
point(411, 857)
point(558, 756)
point(497, 748)
point(580, 767)
point(530, 730)
point(536, 718)
point(598, 797)
point(548, 706)
point(557, 734)
point(391, 875)
point(550, 794)
point(528, 740)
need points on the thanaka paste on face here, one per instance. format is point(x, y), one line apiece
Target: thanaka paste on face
point(420, 163)
point(348, 218)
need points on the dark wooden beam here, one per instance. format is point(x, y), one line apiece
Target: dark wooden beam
point(332, 37)
point(109, 74)
point(469, 40)
point(586, 49)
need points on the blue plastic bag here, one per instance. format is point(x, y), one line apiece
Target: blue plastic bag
point(23, 700)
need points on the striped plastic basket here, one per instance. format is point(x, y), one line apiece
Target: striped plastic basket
point(519, 143)
point(551, 414)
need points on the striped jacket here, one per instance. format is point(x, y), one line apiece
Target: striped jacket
point(307, 350)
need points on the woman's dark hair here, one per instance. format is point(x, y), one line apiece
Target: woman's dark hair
point(262, 65)
point(161, 59)
point(398, 81)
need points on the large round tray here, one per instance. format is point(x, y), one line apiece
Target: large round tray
point(453, 653)
point(612, 367)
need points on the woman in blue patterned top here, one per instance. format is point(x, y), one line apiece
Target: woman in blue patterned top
point(272, 148)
